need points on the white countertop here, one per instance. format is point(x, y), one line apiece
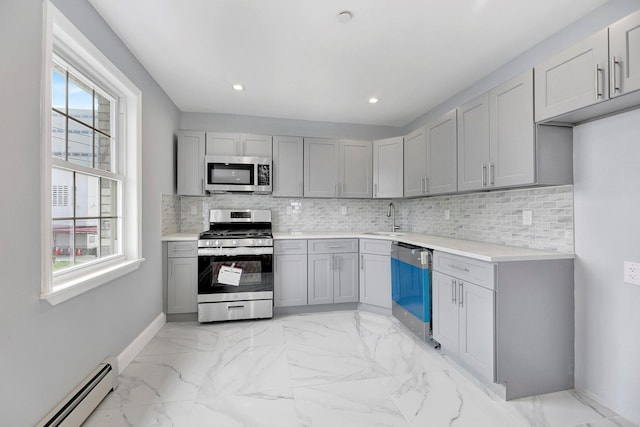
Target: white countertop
point(477, 250)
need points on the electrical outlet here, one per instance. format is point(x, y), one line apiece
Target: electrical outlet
point(345, 210)
point(194, 210)
point(632, 272)
point(447, 214)
point(289, 210)
point(527, 217)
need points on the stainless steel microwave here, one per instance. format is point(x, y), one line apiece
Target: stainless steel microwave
point(238, 173)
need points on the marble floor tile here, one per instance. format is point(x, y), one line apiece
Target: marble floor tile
point(246, 371)
point(346, 368)
point(564, 408)
point(158, 415)
point(352, 404)
point(180, 338)
point(262, 409)
point(160, 378)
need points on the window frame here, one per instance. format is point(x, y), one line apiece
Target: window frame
point(63, 38)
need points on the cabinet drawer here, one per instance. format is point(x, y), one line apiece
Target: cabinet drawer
point(375, 247)
point(333, 246)
point(290, 247)
point(182, 249)
point(466, 269)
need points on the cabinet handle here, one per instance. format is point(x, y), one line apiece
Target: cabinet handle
point(460, 297)
point(331, 262)
point(598, 91)
point(426, 185)
point(614, 84)
point(453, 291)
point(484, 175)
point(375, 190)
point(492, 173)
point(338, 263)
point(202, 184)
point(335, 189)
point(423, 188)
point(361, 262)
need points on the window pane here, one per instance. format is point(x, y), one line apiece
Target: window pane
point(109, 237)
point(87, 196)
point(61, 193)
point(80, 101)
point(58, 135)
point(80, 144)
point(59, 89)
point(86, 240)
point(108, 198)
point(62, 244)
point(103, 153)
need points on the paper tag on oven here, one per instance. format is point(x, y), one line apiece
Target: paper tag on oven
point(229, 275)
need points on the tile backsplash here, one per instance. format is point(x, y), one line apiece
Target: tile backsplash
point(494, 217)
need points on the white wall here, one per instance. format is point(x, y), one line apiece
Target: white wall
point(45, 351)
point(607, 233)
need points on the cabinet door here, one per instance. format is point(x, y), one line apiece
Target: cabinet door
point(415, 163)
point(255, 145)
point(356, 177)
point(345, 279)
point(375, 280)
point(574, 78)
point(182, 285)
point(321, 171)
point(512, 132)
point(473, 143)
point(222, 144)
point(477, 340)
point(624, 51)
point(442, 173)
point(445, 311)
point(287, 166)
point(388, 168)
point(320, 279)
point(290, 276)
point(190, 168)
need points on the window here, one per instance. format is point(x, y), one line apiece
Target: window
point(91, 144)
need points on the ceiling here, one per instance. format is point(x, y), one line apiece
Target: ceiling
point(297, 61)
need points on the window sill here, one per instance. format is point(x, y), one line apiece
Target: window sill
point(79, 285)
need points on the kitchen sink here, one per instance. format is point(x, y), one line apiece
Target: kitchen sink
point(386, 233)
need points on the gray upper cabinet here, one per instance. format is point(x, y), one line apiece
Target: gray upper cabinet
point(321, 167)
point(334, 168)
point(574, 78)
point(415, 163)
point(355, 169)
point(624, 51)
point(190, 168)
point(442, 175)
point(473, 143)
point(238, 144)
point(287, 166)
point(598, 76)
point(388, 169)
point(512, 132)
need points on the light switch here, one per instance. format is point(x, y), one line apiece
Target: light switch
point(345, 210)
point(527, 217)
point(447, 214)
point(194, 210)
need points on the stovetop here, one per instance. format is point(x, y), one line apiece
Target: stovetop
point(227, 233)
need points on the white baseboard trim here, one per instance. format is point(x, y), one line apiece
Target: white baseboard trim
point(132, 350)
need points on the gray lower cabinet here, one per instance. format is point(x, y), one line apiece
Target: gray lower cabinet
point(290, 273)
point(508, 323)
point(190, 167)
point(182, 277)
point(332, 271)
point(375, 272)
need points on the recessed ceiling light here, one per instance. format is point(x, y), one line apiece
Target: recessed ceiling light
point(345, 16)
point(373, 100)
point(238, 87)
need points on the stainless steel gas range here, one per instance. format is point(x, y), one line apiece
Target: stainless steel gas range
point(235, 266)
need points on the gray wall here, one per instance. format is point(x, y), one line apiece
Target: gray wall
point(45, 351)
point(607, 233)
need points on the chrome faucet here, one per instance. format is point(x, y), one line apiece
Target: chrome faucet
point(391, 212)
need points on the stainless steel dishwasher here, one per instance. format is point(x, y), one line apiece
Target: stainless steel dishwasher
point(411, 287)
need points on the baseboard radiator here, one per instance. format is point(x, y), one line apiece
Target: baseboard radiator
point(78, 405)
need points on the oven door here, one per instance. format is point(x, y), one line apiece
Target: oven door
point(255, 278)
